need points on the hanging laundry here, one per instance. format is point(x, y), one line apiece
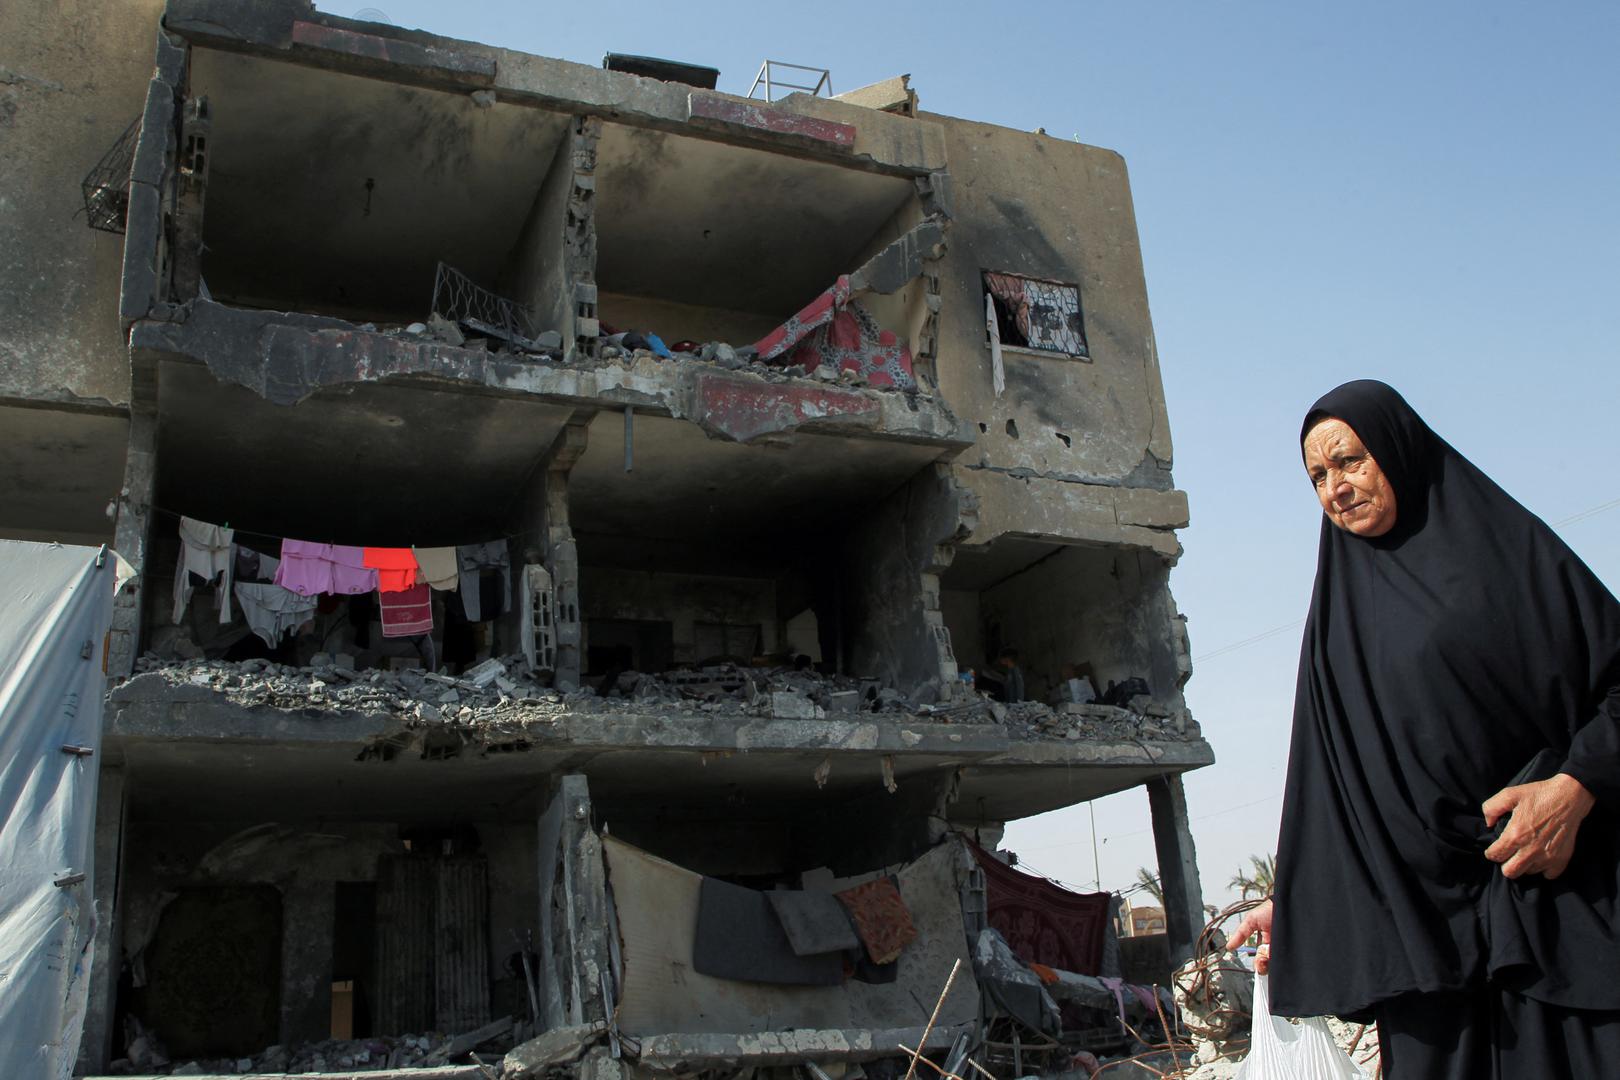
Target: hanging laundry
point(437, 567)
point(406, 612)
point(205, 550)
point(254, 566)
point(271, 611)
point(881, 918)
point(308, 569)
point(396, 568)
point(473, 558)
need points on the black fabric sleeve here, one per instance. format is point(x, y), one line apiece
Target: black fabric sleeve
point(1594, 753)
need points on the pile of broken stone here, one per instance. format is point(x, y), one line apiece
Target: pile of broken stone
point(146, 1056)
point(498, 696)
point(550, 346)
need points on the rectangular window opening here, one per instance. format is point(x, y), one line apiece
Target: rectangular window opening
point(1033, 313)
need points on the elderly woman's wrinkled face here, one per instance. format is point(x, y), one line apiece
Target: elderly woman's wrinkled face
point(1354, 492)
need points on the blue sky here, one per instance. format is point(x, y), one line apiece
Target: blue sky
point(1427, 193)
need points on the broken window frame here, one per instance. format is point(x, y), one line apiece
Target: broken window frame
point(1008, 291)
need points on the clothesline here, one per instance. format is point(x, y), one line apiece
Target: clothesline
point(283, 592)
point(260, 535)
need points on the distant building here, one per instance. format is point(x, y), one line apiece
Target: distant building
point(1140, 920)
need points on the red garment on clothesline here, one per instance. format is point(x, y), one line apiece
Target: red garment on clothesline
point(396, 568)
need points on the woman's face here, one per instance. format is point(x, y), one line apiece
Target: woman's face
point(1354, 492)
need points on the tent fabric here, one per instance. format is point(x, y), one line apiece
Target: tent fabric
point(55, 609)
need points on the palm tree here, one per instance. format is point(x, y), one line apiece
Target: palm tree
point(1260, 880)
point(1148, 880)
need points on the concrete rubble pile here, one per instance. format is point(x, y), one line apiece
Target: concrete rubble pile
point(147, 1057)
point(496, 696)
point(548, 346)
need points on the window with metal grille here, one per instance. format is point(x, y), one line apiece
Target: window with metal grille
point(1033, 313)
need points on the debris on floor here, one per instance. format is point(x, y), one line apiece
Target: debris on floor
point(498, 696)
point(146, 1057)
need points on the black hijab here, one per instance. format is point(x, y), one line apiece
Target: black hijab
point(1438, 659)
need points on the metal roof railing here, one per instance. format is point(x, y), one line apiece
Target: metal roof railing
point(771, 82)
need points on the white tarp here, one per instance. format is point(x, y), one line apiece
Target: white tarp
point(55, 608)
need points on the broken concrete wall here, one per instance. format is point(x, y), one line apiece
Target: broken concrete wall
point(72, 78)
point(1107, 607)
point(903, 252)
point(892, 564)
point(340, 194)
point(539, 275)
point(1042, 207)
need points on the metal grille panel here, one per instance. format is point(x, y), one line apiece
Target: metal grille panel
point(459, 298)
point(405, 945)
point(461, 973)
point(106, 187)
point(1036, 314)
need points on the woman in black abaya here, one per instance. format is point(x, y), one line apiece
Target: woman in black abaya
point(1460, 670)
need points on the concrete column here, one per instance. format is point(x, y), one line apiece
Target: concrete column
point(574, 950)
point(546, 529)
point(95, 1045)
point(307, 911)
point(131, 538)
point(1178, 867)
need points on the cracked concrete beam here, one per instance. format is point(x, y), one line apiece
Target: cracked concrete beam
point(891, 269)
point(363, 51)
point(692, 1052)
point(559, 1046)
point(285, 358)
point(143, 239)
point(1064, 511)
point(730, 113)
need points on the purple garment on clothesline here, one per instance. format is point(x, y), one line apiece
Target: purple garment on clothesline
point(309, 569)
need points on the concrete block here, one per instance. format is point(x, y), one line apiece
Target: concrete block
point(559, 1046)
point(787, 705)
point(842, 701)
point(1151, 509)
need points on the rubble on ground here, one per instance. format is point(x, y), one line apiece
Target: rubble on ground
point(497, 696)
point(613, 350)
point(146, 1057)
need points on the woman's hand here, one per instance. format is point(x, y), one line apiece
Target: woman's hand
point(1540, 836)
point(1257, 921)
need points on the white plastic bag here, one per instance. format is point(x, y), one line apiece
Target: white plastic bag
point(1288, 1050)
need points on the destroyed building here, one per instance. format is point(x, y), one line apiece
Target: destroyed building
point(757, 433)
